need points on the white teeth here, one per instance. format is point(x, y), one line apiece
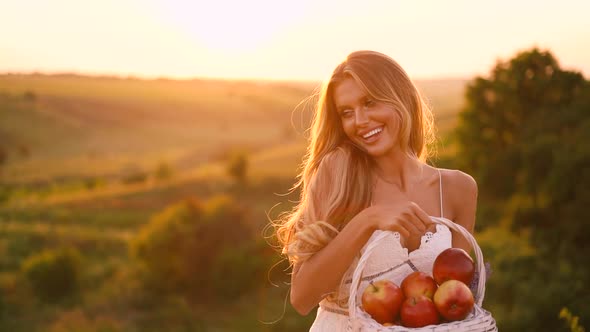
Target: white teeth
point(372, 132)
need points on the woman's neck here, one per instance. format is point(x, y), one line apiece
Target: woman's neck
point(400, 170)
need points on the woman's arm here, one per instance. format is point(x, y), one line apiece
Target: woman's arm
point(463, 190)
point(321, 274)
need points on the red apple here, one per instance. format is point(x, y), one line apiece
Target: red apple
point(453, 264)
point(382, 300)
point(453, 300)
point(418, 312)
point(419, 283)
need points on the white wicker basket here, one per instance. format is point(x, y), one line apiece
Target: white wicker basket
point(478, 320)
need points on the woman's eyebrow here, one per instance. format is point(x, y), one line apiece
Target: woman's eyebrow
point(341, 108)
point(362, 98)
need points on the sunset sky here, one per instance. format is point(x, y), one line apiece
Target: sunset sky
point(284, 40)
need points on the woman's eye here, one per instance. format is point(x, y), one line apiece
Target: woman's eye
point(346, 114)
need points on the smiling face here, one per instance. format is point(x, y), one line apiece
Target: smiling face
point(370, 124)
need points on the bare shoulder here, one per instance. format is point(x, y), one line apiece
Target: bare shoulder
point(459, 182)
point(460, 189)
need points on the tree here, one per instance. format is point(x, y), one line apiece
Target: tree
point(23, 151)
point(3, 156)
point(54, 274)
point(29, 96)
point(237, 167)
point(525, 136)
point(526, 98)
point(163, 171)
point(183, 249)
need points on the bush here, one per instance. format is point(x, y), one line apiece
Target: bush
point(24, 151)
point(5, 193)
point(237, 167)
point(132, 174)
point(3, 155)
point(94, 182)
point(163, 171)
point(173, 313)
point(179, 247)
point(53, 274)
point(78, 321)
point(238, 269)
point(29, 96)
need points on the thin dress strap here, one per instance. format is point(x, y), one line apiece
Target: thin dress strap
point(441, 193)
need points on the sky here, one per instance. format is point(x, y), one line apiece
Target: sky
point(284, 40)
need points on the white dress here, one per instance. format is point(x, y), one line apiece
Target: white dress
point(390, 261)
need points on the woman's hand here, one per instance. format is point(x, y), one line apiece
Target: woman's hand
point(404, 217)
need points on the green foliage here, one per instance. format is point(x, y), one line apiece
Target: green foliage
point(173, 313)
point(160, 246)
point(3, 155)
point(237, 167)
point(94, 182)
point(54, 274)
point(78, 321)
point(526, 98)
point(24, 151)
point(29, 96)
point(163, 171)
point(525, 136)
point(238, 269)
point(571, 320)
point(5, 192)
point(133, 174)
point(181, 246)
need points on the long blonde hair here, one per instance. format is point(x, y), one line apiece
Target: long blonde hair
point(328, 201)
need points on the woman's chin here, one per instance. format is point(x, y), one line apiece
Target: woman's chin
point(377, 151)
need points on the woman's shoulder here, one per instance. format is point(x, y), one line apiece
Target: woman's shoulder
point(460, 189)
point(458, 180)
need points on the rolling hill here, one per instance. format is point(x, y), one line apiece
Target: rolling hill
point(62, 126)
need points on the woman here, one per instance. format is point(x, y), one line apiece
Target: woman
point(365, 173)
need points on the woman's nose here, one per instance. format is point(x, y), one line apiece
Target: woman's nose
point(361, 117)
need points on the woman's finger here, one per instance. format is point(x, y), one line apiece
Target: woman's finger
point(412, 226)
point(423, 217)
point(404, 233)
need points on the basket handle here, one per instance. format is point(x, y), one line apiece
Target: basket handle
point(356, 276)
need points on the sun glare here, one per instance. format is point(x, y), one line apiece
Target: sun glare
point(272, 39)
point(231, 26)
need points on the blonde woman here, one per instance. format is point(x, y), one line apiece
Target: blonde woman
point(365, 173)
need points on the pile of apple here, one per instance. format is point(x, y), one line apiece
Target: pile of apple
point(423, 300)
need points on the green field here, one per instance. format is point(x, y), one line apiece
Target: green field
point(83, 160)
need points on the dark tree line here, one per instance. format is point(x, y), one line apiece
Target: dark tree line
point(525, 136)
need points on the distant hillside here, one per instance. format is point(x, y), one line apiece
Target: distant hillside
point(60, 124)
point(158, 112)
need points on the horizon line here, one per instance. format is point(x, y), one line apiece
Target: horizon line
point(123, 76)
